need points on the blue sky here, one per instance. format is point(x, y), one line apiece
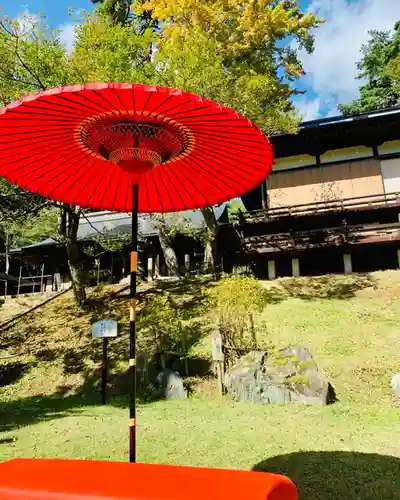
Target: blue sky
point(330, 70)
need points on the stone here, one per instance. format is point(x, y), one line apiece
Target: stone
point(396, 384)
point(290, 374)
point(170, 385)
point(296, 367)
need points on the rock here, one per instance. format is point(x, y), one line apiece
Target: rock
point(396, 384)
point(247, 381)
point(296, 367)
point(170, 385)
point(291, 374)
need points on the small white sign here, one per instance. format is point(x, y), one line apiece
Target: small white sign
point(105, 328)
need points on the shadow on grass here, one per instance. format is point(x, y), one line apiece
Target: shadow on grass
point(319, 287)
point(12, 372)
point(19, 413)
point(334, 475)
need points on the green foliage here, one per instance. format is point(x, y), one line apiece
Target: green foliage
point(232, 303)
point(117, 10)
point(34, 228)
point(112, 52)
point(164, 329)
point(177, 223)
point(32, 58)
point(379, 66)
point(25, 218)
point(236, 295)
point(236, 212)
point(232, 52)
point(159, 320)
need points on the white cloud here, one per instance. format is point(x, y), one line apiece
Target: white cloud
point(27, 21)
point(68, 36)
point(331, 69)
point(308, 108)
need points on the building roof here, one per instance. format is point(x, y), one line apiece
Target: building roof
point(111, 224)
point(317, 136)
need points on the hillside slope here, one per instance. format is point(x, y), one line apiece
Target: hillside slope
point(49, 401)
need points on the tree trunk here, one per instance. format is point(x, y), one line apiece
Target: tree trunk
point(171, 260)
point(210, 251)
point(7, 256)
point(69, 230)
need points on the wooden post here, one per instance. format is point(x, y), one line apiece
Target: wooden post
point(160, 352)
point(142, 364)
point(150, 269)
point(42, 279)
point(398, 258)
point(295, 267)
point(104, 374)
point(112, 267)
point(157, 266)
point(348, 268)
point(218, 358)
point(19, 280)
point(98, 270)
point(271, 270)
point(183, 342)
point(187, 265)
point(253, 331)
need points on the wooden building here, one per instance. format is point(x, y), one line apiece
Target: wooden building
point(43, 266)
point(331, 203)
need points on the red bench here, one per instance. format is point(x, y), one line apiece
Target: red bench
point(44, 479)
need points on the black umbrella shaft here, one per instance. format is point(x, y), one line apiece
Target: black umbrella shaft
point(132, 325)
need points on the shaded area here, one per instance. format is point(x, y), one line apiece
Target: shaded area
point(79, 357)
point(18, 413)
point(319, 287)
point(324, 475)
point(35, 409)
point(12, 372)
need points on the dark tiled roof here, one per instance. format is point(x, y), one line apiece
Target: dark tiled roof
point(114, 223)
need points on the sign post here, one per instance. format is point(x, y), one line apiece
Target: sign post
point(218, 358)
point(104, 329)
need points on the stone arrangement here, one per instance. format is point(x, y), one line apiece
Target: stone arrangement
point(287, 375)
point(170, 385)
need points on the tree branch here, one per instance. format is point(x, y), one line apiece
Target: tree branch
point(27, 68)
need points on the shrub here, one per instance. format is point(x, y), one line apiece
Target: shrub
point(162, 326)
point(233, 303)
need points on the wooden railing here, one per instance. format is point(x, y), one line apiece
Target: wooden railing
point(355, 234)
point(318, 207)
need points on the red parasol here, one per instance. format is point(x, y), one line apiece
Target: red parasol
point(88, 144)
point(130, 147)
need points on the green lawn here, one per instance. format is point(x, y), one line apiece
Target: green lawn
point(349, 450)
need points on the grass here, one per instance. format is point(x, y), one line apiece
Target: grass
point(350, 450)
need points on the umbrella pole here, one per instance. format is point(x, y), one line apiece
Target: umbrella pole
point(132, 325)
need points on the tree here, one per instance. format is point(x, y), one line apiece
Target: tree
point(245, 46)
point(379, 68)
point(225, 51)
point(33, 59)
point(232, 52)
point(118, 10)
point(24, 218)
point(121, 11)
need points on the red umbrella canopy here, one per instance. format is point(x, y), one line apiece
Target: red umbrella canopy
point(87, 145)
